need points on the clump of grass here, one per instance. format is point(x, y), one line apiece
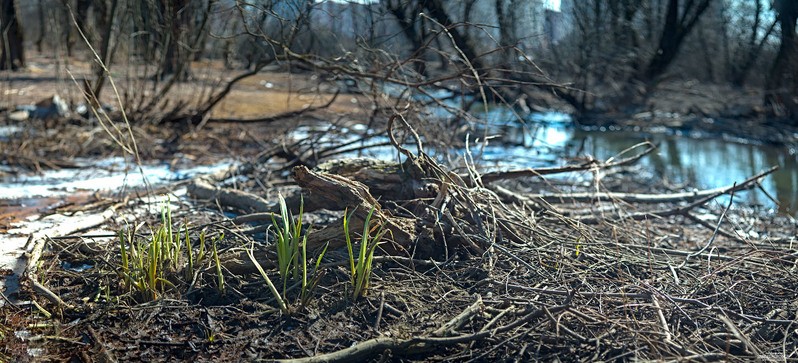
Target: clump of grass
point(150, 265)
point(308, 285)
point(360, 268)
point(277, 296)
point(288, 238)
point(292, 258)
point(144, 262)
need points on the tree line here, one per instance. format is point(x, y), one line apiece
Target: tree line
point(597, 55)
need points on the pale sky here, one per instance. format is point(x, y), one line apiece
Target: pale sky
point(553, 4)
point(550, 4)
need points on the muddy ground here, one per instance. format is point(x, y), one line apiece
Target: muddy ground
point(477, 267)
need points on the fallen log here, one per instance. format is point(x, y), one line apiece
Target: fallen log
point(355, 197)
point(386, 180)
point(202, 188)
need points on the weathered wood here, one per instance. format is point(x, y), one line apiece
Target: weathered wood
point(386, 180)
point(631, 197)
point(201, 188)
point(356, 198)
point(345, 192)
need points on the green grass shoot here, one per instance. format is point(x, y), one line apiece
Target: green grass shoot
point(219, 274)
point(292, 258)
point(149, 266)
point(288, 237)
point(361, 267)
point(277, 296)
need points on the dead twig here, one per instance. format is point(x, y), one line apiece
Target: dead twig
point(591, 165)
point(684, 209)
point(632, 197)
point(714, 233)
point(201, 188)
point(370, 348)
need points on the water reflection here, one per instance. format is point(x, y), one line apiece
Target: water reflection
point(680, 161)
point(708, 163)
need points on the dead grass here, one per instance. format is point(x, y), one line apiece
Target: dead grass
point(251, 98)
point(254, 104)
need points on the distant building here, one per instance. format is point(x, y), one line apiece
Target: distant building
point(342, 23)
point(541, 28)
point(553, 27)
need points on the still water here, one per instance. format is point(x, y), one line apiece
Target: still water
point(690, 160)
point(681, 160)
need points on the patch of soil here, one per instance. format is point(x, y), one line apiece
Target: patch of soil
point(539, 281)
point(265, 94)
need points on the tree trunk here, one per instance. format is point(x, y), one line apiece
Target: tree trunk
point(13, 56)
point(436, 11)
point(176, 57)
point(105, 22)
point(409, 23)
point(42, 15)
point(740, 68)
point(782, 77)
point(507, 38)
point(81, 16)
point(677, 27)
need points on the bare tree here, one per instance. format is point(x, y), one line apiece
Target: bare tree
point(438, 12)
point(744, 58)
point(176, 17)
point(105, 17)
point(680, 20)
point(42, 15)
point(783, 76)
point(407, 14)
point(13, 56)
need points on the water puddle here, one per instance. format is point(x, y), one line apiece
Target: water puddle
point(25, 198)
point(111, 174)
point(690, 160)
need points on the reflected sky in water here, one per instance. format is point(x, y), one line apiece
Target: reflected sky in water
point(707, 163)
point(109, 174)
point(680, 161)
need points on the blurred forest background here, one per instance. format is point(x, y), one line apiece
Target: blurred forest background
point(571, 161)
point(591, 57)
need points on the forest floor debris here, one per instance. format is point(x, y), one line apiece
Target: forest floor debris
point(472, 269)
